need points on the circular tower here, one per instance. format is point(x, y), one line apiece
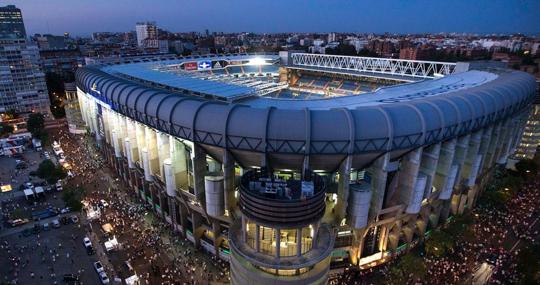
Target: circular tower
point(279, 238)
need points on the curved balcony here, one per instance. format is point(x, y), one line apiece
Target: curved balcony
point(275, 202)
point(322, 247)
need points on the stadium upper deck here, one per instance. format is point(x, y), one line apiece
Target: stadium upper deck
point(171, 94)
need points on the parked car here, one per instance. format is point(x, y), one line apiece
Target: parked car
point(98, 267)
point(71, 277)
point(21, 165)
point(87, 242)
point(74, 219)
point(64, 220)
point(46, 227)
point(17, 222)
point(36, 229)
point(90, 250)
point(55, 223)
point(65, 210)
point(59, 185)
point(103, 278)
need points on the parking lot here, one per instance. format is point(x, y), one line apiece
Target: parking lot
point(44, 257)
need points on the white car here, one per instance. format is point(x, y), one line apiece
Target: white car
point(87, 243)
point(99, 268)
point(103, 278)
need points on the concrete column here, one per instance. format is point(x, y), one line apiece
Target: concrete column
point(146, 165)
point(378, 172)
point(343, 188)
point(484, 146)
point(298, 241)
point(116, 144)
point(163, 149)
point(199, 170)
point(141, 141)
point(471, 158)
point(179, 162)
point(228, 180)
point(408, 175)
point(172, 212)
point(216, 228)
point(495, 136)
point(183, 216)
point(244, 232)
point(170, 183)
point(196, 222)
point(257, 238)
point(129, 153)
point(428, 165)
point(131, 134)
point(446, 157)
point(151, 146)
point(502, 154)
point(278, 243)
point(106, 125)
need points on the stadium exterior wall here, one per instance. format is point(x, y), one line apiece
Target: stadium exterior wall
point(424, 160)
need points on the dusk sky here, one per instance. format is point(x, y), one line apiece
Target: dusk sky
point(82, 17)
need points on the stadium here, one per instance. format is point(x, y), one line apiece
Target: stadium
point(291, 165)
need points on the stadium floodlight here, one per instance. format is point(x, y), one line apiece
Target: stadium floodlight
point(257, 61)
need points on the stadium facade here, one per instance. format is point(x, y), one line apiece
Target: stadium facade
point(288, 165)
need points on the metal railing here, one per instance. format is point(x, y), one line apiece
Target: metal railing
point(387, 66)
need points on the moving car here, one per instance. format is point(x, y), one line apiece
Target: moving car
point(46, 227)
point(55, 223)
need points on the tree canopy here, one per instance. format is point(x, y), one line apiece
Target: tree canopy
point(35, 124)
point(50, 172)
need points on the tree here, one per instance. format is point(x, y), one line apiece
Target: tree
point(529, 264)
point(439, 243)
point(73, 197)
point(342, 49)
point(409, 265)
point(526, 167)
point(6, 129)
point(50, 172)
point(36, 124)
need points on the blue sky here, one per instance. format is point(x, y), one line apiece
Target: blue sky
point(81, 17)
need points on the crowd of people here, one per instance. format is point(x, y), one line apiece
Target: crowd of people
point(496, 232)
point(149, 245)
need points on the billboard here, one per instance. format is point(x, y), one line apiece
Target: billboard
point(204, 65)
point(192, 65)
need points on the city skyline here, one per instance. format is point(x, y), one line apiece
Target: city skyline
point(482, 17)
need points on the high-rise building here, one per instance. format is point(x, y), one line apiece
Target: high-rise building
point(331, 37)
point(22, 82)
point(11, 23)
point(146, 31)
